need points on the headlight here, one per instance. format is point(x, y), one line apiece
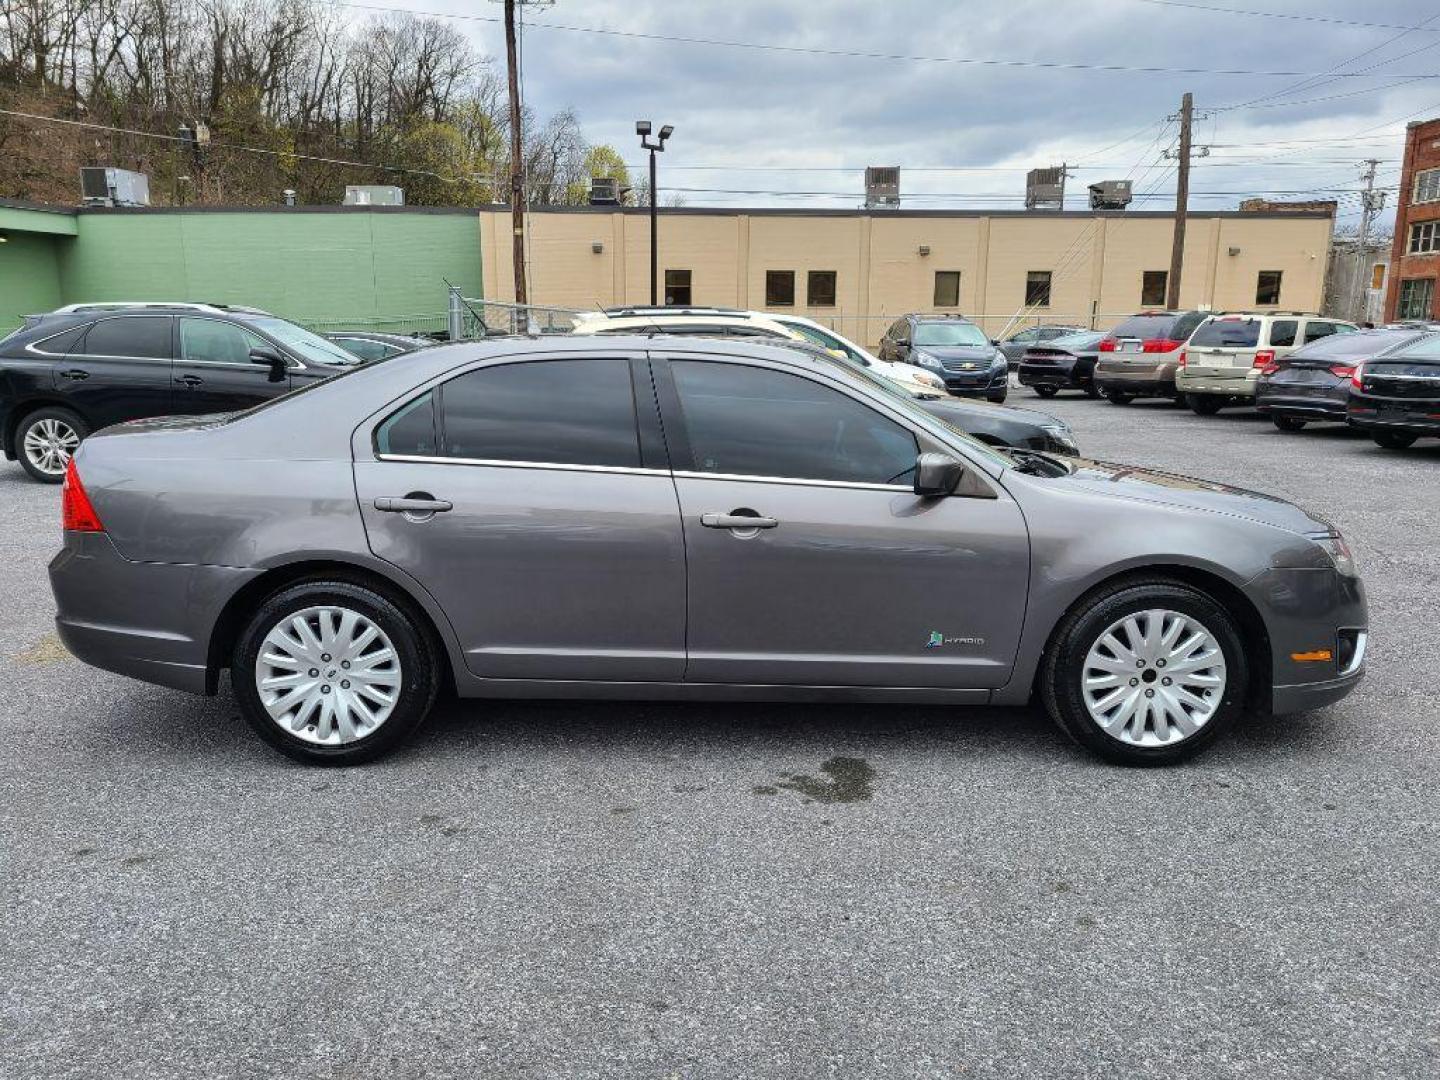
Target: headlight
point(1061, 435)
point(924, 378)
point(998, 360)
point(926, 359)
point(1339, 551)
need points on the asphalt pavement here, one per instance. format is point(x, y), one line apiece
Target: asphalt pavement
point(617, 890)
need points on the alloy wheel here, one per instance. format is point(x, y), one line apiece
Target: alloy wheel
point(49, 444)
point(1154, 678)
point(328, 675)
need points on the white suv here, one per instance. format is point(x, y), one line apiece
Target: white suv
point(1227, 353)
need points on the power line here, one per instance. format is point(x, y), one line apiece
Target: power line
point(1290, 15)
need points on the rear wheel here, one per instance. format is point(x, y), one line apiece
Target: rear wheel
point(1115, 397)
point(1393, 440)
point(1287, 423)
point(46, 440)
point(1091, 391)
point(1205, 404)
point(1149, 673)
point(1045, 391)
point(333, 673)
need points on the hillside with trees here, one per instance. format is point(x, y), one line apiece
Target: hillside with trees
point(278, 94)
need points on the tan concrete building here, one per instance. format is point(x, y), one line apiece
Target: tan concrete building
point(858, 270)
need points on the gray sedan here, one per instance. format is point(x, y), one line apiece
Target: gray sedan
point(690, 520)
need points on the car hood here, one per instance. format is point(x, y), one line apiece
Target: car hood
point(959, 412)
point(1188, 493)
point(957, 352)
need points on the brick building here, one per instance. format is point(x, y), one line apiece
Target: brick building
point(1415, 258)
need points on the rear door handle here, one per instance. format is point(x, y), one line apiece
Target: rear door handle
point(410, 504)
point(189, 380)
point(737, 521)
point(76, 374)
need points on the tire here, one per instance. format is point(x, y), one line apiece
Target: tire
point(1204, 404)
point(414, 667)
point(1115, 397)
point(1081, 631)
point(997, 399)
point(1287, 423)
point(1091, 392)
point(46, 440)
point(1393, 440)
point(1045, 391)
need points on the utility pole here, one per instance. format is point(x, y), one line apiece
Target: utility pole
point(517, 180)
point(1372, 201)
point(1182, 200)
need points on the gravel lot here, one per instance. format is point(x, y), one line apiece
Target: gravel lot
point(547, 890)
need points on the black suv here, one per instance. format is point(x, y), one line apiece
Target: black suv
point(86, 366)
point(952, 347)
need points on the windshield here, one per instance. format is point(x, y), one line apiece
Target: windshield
point(949, 333)
point(825, 340)
point(312, 348)
point(1088, 339)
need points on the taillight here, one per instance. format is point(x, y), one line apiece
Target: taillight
point(76, 512)
point(1160, 344)
point(1357, 377)
point(1265, 361)
point(1107, 344)
point(1342, 371)
point(1181, 361)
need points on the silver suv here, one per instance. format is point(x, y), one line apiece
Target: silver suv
point(1139, 358)
point(1225, 357)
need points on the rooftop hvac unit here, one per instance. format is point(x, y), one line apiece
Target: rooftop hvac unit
point(604, 191)
point(103, 186)
point(374, 195)
point(1045, 189)
point(1110, 195)
point(882, 186)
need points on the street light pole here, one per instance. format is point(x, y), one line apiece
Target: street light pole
point(642, 128)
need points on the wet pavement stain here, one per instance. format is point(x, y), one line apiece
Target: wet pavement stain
point(850, 780)
point(47, 650)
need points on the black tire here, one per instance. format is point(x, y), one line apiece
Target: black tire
point(1091, 391)
point(1045, 391)
point(1393, 440)
point(1115, 397)
point(1205, 404)
point(1287, 423)
point(996, 399)
point(56, 414)
point(1062, 669)
point(419, 670)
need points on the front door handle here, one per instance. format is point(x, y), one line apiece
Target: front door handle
point(752, 520)
point(76, 374)
point(189, 380)
point(412, 504)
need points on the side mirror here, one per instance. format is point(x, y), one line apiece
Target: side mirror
point(902, 343)
point(994, 341)
point(278, 368)
point(937, 474)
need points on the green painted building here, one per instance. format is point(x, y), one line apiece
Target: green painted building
point(323, 266)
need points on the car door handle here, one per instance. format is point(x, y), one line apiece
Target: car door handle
point(76, 374)
point(714, 520)
point(189, 380)
point(412, 504)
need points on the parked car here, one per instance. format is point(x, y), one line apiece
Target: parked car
point(1017, 344)
point(1221, 363)
point(1313, 382)
point(86, 366)
point(1140, 356)
point(372, 345)
point(726, 520)
point(1396, 397)
point(736, 322)
point(1063, 363)
point(952, 347)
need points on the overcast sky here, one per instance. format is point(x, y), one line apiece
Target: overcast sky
point(773, 121)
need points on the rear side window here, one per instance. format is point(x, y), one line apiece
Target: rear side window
point(410, 431)
point(63, 342)
point(1282, 332)
point(1228, 334)
point(1314, 331)
point(755, 422)
point(1146, 327)
point(563, 412)
point(145, 336)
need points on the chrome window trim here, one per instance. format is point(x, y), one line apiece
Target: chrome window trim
point(501, 463)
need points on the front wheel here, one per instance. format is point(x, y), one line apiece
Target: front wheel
point(46, 441)
point(1205, 404)
point(1394, 440)
point(333, 673)
point(1045, 391)
point(1091, 391)
point(1287, 423)
point(996, 399)
point(1149, 673)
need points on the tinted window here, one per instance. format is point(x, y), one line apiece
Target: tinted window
point(409, 431)
point(1314, 331)
point(135, 335)
point(1228, 334)
point(568, 412)
point(367, 349)
point(1186, 324)
point(1083, 341)
point(779, 288)
point(1282, 331)
point(1371, 343)
point(755, 422)
point(1146, 327)
point(62, 342)
point(820, 288)
point(212, 342)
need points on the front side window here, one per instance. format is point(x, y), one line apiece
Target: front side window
point(1267, 287)
point(779, 288)
point(1424, 238)
point(1037, 288)
point(677, 288)
point(820, 288)
point(1282, 332)
point(209, 341)
point(1416, 295)
point(143, 336)
point(947, 288)
point(564, 412)
point(1153, 284)
point(752, 421)
point(1427, 186)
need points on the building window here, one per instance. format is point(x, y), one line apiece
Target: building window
point(1416, 297)
point(820, 288)
point(947, 288)
point(1425, 237)
point(1267, 288)
point(779, 288)
point(1037, 288)
point(1427, 186)
point(677, 288)
point(1377, 276)
point(1153, 284)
